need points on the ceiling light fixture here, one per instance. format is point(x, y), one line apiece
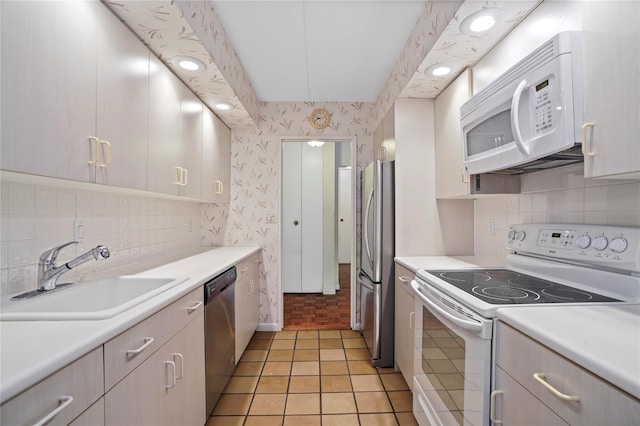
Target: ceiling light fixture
point(480, 21)
point(315, 143)
point(437, 70)
point(223, 106)
point(187, 63)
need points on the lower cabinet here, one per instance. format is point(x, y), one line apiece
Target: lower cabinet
point(535, 385)
point(247, 302)
point(155, 370)
point(168, 388)
point(61, 397)
point(404, 326)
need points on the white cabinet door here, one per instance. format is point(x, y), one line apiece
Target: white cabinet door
point(247, 303)
point(190, 144)
point(188, 396)
point(122, 99)
point(611, 101)
point(164, 130)
point(216, 158)
point(450, 178)
point(404, 326)
point(49, 55)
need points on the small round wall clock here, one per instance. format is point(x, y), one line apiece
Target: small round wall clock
point(320, 118)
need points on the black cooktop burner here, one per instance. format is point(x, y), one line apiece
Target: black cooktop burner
point(505, 287)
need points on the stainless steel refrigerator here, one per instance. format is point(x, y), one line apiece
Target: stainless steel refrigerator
point(377, 249)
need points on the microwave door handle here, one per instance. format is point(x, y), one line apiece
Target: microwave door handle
point(467, 325)
point(515, 124)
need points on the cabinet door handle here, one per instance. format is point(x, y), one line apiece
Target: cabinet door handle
point(412, 321)
point(181, 358)
point(191, 309)
point(219, 187)
point(256, 261)
point(185, 177)
point(106, 145)
point(404, 279)
point(492, 407)
point(145, 345)
point(178, 176)
point(465, 175)
point(65, 400)
point(382, 153)
point(585, 150)
point(173, 374)
point(243, 268)
point(93, 150)
point(250, 287)
point(540, 378)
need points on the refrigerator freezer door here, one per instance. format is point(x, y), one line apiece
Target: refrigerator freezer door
point(370, 295)
point(371, 221)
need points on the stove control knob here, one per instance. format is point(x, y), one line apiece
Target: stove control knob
point(520, 235)
point(583, 241)
point(511, 234)
point(618, 245)
point(600, 243)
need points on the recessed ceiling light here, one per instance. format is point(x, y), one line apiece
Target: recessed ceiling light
point(480, 21)
point(438, 70)
point(188, 63)
point(315, 143)
point(223, 106)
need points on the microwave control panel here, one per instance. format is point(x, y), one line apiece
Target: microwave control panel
point(544, 108)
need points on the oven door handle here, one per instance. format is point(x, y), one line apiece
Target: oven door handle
point(467, 325)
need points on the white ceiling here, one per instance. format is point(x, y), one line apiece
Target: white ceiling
point(312, 50)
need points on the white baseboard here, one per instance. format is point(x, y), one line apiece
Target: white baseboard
point(357, 326)
point(268, 327)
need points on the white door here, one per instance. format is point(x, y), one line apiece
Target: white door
point(345, 225)
point(302, 221)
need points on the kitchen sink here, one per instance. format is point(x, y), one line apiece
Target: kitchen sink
point(93, 300)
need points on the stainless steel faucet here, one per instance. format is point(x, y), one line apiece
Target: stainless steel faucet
point(48, 272)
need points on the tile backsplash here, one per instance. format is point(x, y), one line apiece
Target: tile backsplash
point(136, 228)
point(560, 195)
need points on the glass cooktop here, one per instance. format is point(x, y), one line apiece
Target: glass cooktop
point(503, 286)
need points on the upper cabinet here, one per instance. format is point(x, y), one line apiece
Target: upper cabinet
point(49, 56)
point(122, 106)
point(84, 99)
point(611, 108)
point(385, 137)
point(451, 181)
point(216, 158)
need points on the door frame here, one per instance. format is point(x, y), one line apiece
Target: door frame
point(354, 182)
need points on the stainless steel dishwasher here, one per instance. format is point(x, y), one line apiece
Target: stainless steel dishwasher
point(219, 330)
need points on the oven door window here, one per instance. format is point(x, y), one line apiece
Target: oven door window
point(452, 370)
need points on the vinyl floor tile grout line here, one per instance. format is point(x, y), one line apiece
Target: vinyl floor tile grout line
point(347, 391)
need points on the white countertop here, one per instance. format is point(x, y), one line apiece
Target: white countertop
point(414, 263)
point(602, 339)
point(32, 350)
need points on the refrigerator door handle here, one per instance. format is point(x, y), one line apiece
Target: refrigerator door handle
point(365, 229)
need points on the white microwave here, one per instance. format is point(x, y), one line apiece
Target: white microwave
point(530, 117)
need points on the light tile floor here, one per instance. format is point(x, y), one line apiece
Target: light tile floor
point(312, 378)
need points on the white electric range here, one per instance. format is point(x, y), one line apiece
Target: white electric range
point(548, 265)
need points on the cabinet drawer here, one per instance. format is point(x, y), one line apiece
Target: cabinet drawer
point(404, 277)
point(82, 380)
point(598, 401)
point(247, 264)
point(128, 350)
